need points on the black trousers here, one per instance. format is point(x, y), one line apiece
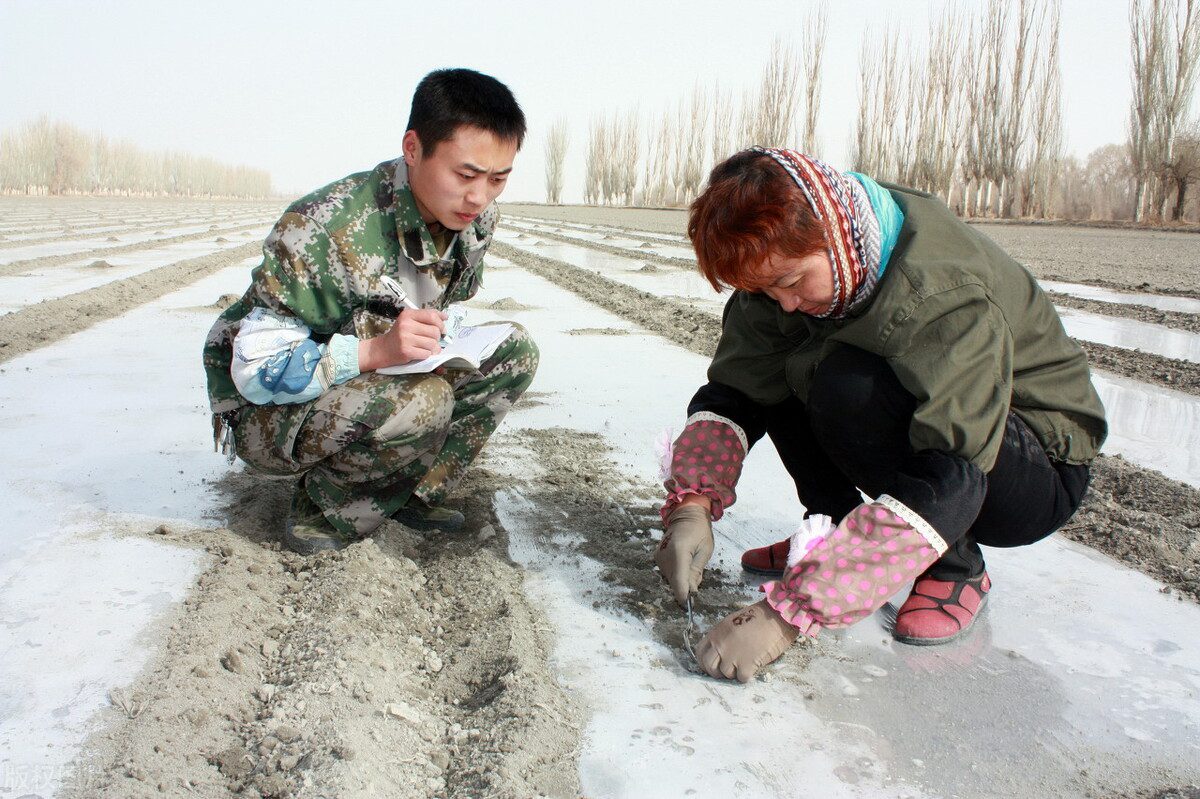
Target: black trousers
point(853, 434)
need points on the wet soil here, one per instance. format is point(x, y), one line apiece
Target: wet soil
point(1147, 367)
point(412, 664)
point(1141, 313)
point(1144, 520)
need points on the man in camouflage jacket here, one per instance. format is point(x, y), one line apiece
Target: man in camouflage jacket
point(355, 276)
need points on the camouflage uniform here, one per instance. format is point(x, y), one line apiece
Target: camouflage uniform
point(367, 445)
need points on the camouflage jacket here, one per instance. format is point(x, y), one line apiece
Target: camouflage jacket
point(324, 261)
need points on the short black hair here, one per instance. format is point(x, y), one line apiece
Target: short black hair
point(447, 99)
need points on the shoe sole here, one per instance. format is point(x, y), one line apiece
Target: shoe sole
point(913, 641)
point(763, 572)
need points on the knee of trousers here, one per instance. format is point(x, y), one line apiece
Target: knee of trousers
point(521, 354)
point(524, 347)
point(853, 390)
point(421, 406)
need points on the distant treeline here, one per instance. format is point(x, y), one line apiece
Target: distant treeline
point(972, 114)
point(45, 157)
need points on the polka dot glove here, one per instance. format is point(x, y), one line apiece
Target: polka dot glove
point(842, 575)
point(706, 459)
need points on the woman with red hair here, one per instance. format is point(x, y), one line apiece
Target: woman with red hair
point(888, 350)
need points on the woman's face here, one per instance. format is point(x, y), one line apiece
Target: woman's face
point(798, 284)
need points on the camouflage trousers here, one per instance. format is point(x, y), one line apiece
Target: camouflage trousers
point(367, 446)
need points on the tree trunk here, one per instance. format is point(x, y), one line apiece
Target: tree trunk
point(1180, 198)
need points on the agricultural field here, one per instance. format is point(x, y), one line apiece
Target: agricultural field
point(160, 643)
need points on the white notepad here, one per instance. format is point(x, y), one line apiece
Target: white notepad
point(471, 346)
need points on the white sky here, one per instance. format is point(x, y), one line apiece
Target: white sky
point(312, 91)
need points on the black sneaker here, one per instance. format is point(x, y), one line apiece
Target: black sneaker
point(307, 531)
point(419, 516)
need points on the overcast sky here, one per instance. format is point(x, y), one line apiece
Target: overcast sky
point(312, 91)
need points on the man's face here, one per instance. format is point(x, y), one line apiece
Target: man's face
point(454, 183)
point(797, 284)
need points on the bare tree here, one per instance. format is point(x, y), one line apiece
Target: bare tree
point(1109, 186)
point(556, 155)
point(593, 162)
point(692, 132)
point(679, 154)
point(44, 157)
point(948, 96)
point(993, 35)
point(626, 155)
point(721, 141)
point(1046, 147)
point(1185, 166)
point(1013, 125)
point(656, 185)
point(814, 49)
point(1176, 82)
point(1147, 21)
point(769, 118)
point(880, 101)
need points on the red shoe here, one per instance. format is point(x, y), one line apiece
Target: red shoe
point(770, 561)
point(938, 611)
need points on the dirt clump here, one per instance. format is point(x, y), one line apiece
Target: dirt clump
point(597, 331)
point(509, 304)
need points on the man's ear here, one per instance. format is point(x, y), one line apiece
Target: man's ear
point(411, 147)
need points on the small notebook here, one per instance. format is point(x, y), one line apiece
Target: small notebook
point(471, 346)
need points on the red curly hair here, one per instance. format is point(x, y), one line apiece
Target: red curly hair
point(751, 210)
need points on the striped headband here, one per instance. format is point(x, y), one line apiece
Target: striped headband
point(839, 203)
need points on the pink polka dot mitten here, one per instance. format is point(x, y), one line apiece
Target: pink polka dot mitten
point(706, 459)
point(838, 576)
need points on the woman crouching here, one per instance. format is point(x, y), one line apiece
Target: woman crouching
point(886, 348)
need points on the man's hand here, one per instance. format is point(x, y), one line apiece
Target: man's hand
point(686, 547)
point(744, 641)
point(412, 337)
